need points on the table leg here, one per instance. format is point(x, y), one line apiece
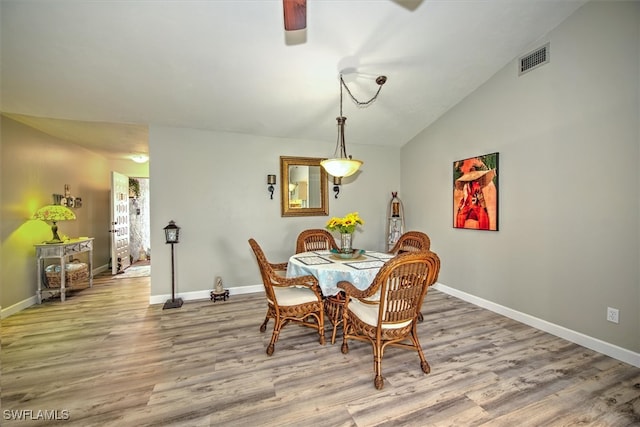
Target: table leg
point(63, 277)
point(333, 306)
point(91, 267)
point(39, 294)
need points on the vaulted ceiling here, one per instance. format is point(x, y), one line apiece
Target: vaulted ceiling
point(99, 72)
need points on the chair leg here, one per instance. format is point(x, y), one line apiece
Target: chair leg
point(321, 327)
point(263, 327)
point(274, 336)
point(378, 381)
point(424, 365)
point(345, 346)
point(420, 318)
point(270, 314)
point(272, 345)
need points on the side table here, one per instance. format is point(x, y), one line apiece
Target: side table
point(61, 251)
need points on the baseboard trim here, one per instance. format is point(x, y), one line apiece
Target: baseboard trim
point(100, 269)
point(17, 307)
point(206, 294)
point(595, 344)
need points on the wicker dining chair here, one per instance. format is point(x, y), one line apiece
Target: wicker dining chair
point(403, 283)
point(289, 299)
point(314, 240)
point(411, 241)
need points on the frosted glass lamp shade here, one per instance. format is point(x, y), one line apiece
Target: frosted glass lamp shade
point(341, 167)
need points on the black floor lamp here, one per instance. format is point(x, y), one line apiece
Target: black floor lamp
point(171, 233)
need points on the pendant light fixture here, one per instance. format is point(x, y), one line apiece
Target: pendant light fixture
point(343, 165)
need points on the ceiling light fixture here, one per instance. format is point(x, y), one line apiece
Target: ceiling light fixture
point(140, 158)
point(343, 165)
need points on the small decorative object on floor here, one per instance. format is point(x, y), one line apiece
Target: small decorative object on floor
point(346, 227)
point(219, 293)
point(221, 296)
point(218, 287)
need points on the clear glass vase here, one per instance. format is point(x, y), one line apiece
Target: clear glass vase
point(345, 243)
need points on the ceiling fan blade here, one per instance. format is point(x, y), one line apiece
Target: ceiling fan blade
point(295, 14)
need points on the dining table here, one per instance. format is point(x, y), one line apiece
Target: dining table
point(330, 268)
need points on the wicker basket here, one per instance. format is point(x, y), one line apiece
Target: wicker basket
point(76, 272)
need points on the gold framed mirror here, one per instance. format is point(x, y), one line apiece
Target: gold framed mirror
point(304, 187)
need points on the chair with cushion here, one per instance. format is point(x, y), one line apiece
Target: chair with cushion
point(411, 241)
point(315, 240)
point(402, 283)
point(296, 299)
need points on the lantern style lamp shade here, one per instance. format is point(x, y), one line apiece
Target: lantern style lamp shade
point(172, 232)
point(54, 213)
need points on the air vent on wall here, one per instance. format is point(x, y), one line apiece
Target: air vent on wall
point(534, 59)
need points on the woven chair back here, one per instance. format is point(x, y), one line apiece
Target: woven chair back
point(404, 281)
point(269, 276)
point(412, 241)
point(315, 239)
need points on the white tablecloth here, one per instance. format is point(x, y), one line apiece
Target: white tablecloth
point(329, 270)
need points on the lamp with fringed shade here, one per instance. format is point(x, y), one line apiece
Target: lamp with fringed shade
point(54, 213)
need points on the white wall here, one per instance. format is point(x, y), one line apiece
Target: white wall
point(214, 185)
point(567, 134)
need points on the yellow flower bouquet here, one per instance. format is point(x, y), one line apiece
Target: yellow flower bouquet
point(347, 224)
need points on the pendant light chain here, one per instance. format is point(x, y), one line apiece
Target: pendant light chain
point(341, 149)
point(342, 84)
point(342, 164)
point(380, 81)
point(340, 146)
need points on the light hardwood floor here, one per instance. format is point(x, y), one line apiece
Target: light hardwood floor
point(106, 358)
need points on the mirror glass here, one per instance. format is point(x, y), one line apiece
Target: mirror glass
point(304, 187)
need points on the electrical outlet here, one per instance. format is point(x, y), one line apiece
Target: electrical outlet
point(612, 314)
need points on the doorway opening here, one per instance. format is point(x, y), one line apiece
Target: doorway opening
point(139, 224)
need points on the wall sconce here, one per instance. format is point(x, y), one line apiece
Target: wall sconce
point(337, 182)
point(271, 180)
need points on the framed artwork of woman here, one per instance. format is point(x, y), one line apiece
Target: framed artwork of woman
point(475, 193)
